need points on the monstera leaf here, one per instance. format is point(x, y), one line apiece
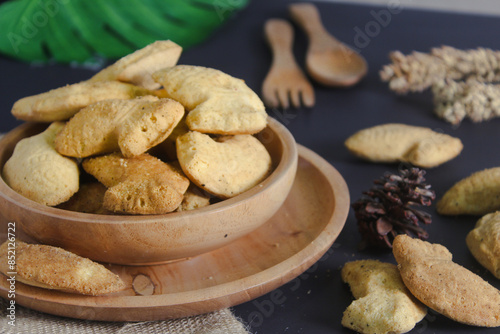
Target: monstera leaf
point(78, 30)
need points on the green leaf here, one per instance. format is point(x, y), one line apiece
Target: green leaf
point(79, 30)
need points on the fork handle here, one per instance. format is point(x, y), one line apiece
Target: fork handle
point(279, 34)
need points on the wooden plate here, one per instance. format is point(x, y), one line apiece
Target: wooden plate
point(296, 237)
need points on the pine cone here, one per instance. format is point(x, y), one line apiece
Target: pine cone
point(387, 209)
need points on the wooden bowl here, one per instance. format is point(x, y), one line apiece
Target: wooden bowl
point(153, 239)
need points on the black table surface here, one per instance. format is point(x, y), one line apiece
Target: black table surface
point(314, 302)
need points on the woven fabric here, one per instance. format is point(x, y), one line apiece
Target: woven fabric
point(30, 322)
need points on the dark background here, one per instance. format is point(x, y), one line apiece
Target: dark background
point(314, 302)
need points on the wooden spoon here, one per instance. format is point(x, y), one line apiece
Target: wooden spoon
point(328, 61)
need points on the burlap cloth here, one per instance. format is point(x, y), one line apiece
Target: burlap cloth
point(33, 322)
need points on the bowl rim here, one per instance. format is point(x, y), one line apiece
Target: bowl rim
point(288, 159)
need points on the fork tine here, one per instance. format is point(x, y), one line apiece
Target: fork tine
point(295, 97)
point(269, 94)
point(283, 97)
point(308, 97)
point(270, 100)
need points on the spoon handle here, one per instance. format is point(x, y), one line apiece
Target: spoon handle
point(307, 16)
point(279, 34)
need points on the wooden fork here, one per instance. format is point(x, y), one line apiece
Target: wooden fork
point(285, 81)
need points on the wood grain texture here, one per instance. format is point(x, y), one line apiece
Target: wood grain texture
point(285, 83)
point(300, 232)
point(153, 239)
point(328, 61)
